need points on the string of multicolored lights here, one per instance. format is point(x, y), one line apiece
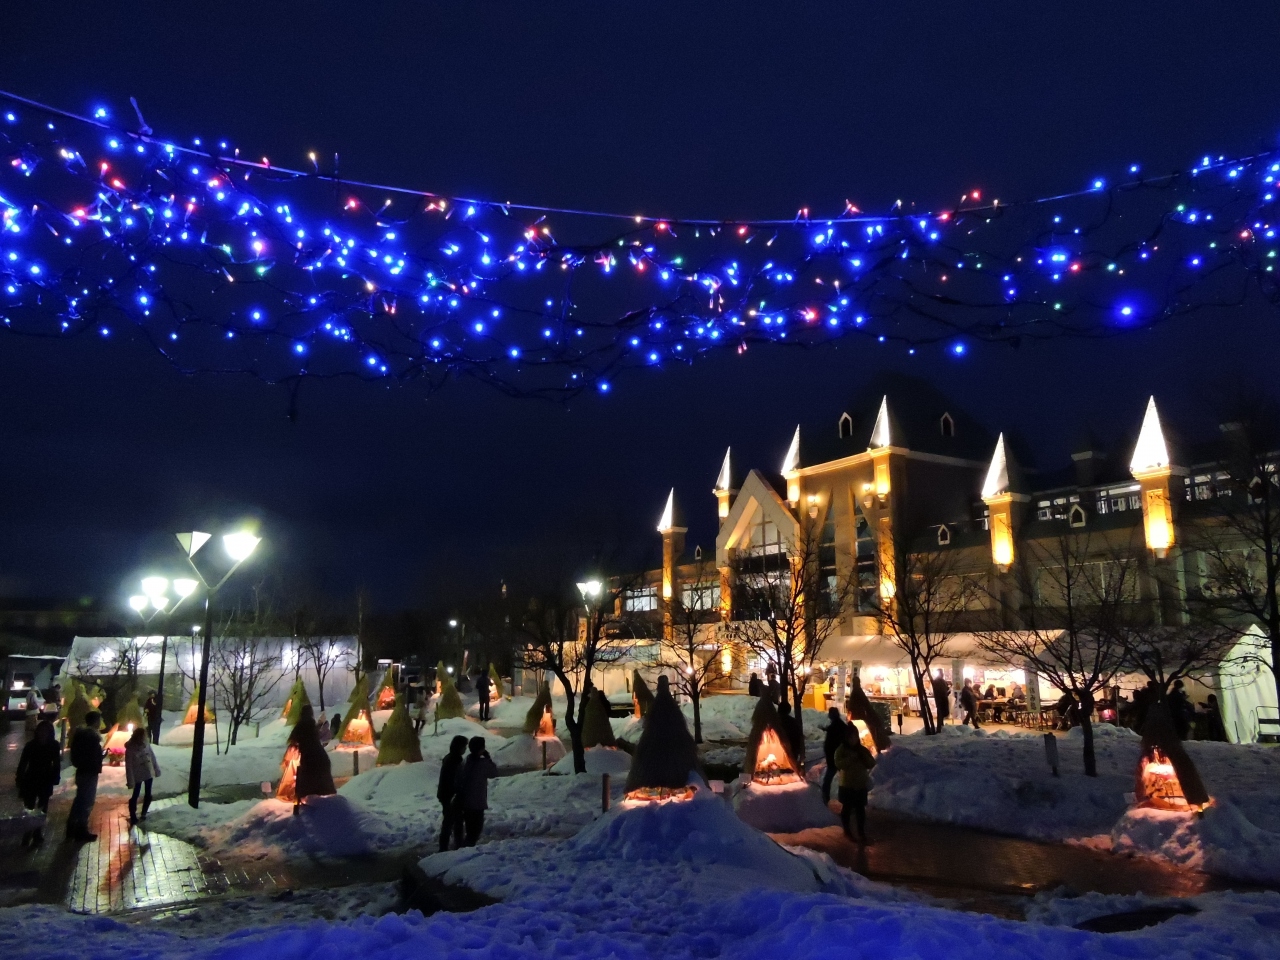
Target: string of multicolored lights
point(227, 264)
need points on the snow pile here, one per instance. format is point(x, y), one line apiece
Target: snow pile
point(385, 809)
point(1002, 782)
point(783, 807)
point(1219, 840)
point(525, 752)
point(600, 760)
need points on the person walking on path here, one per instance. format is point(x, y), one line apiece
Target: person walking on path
point(140, 768)
point(473, 790)
point(483, 684)
point(969, 701)
point(39, 770)
point(420, 710)
point(151, 710)
point(941, 699)
point(446, 793)
point(836, 732)
point(854, 762)
point(86, 757)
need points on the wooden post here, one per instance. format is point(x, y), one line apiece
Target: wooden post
point(1051, 752)
point(604, 793)
point(355, 762)
point(544, 755)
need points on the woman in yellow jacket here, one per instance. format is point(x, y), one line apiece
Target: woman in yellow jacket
point(854, 761)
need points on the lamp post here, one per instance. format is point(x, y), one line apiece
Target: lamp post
point(590, 590)
point(238, 547)
point(155, 597)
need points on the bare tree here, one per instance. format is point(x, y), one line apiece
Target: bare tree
point(325, 654)
point(1237, 538)
point(114, 667)
point(1063, 617)
point(563, 640)
point(692, 645)
point(787, 603)
point(245, 663)
point(929, 601)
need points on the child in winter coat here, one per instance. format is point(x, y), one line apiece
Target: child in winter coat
point(854, 761)
point(140, 768)
point(39, 770)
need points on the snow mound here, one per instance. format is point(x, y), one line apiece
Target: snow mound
point(783, 808)
point(1104, 731)
point(325, 826)
point(600, 760)
point(1219, 840)
point(524, 752)
point(702, 831)
point(714, 728)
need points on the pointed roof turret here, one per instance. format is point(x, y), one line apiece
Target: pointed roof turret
point(724, 481)
point(791, 463)
point(880, 432)
point(997, 481)
point(1151, 451)
point(671, 519)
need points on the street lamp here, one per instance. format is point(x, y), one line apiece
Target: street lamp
point(155, 596)
point(238, 546)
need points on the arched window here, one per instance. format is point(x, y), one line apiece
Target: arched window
point(947, 425)
point(944, 535)
point(1076, 515)
point(845, 426)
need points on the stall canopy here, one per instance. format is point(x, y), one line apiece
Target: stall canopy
point(1247, 688)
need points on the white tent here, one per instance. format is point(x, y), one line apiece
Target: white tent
point(1247, 688)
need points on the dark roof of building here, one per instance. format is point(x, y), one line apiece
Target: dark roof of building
point(916, 412)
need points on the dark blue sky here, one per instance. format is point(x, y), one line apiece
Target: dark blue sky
point(708, 109)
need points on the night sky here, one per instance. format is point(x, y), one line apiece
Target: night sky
point(680, 109)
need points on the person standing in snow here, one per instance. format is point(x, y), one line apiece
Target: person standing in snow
point(39, 770)
point(837, 729)
point(1215, 728)
point(86, 757)
point(755, 689)
point(473, 790)
point(482, 690)
point(854, 762)
point(969, 701)
point(771, 682)
point(140, 768)
point(335, 725)
point(1180, 709)
point(446, 793)
point(151, 710)
point(941, 699)
point(324, 731)
point(420, 710)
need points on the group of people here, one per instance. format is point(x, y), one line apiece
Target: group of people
point(463, 791)
point(849, 759)
point(40, 770)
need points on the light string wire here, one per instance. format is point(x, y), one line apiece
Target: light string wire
point(470, 290)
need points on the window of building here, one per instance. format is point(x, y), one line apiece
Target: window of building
point(866, 564)
point(641, 599)
point(845, 427)
point(828, 576)
point(1119, 504)
point(1076, 515)
point(944, 535)
point(704, 596)
point(947, 425)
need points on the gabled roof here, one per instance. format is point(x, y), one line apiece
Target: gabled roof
point(913, 416)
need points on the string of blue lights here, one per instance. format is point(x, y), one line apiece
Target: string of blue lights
point(227, 264)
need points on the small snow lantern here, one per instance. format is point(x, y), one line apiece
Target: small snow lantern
point(546, 726)
point(358, 730)
point(1167, 779)
point(769, 759)
point(386, 697)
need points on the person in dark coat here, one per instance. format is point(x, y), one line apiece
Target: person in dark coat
point(473, 790)
point(969, 701)
point(854, 762)
point(755, 688)
point(1215, 728)
point(941, 699)
point(1180, 710)
point(151, 710)
point(86, 757)
point(483, 684)
point(39, 770)
point(315, 776)
point(794, 733)
point(837, 730)
point(771, 683)
point(447, 794)
point(335, 725)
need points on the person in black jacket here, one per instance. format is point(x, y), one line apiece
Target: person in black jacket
point(446, 793)
point(941, 699)
point(39, 770)
point(969, 701)
point(794, 733)
point(755, 687)
point(151, 710)
point(86, 757)
point(482, 691)
point(837, 730)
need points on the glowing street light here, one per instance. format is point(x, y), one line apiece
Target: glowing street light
point(239, 545)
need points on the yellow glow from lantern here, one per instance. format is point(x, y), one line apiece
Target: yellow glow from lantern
point(726, 660)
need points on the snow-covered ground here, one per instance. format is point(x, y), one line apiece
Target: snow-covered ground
point(1002, 782)
point(678, 881)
